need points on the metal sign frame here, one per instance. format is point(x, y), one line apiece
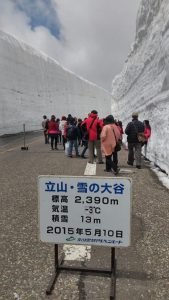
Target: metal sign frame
point(59, 266)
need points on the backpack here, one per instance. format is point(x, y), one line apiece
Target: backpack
point(71, 132)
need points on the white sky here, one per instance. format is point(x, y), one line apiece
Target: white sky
point(95, 35)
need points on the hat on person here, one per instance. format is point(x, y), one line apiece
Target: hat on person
point(94, 112)
point(72, 121)
point(135, 114)
point(109, 119)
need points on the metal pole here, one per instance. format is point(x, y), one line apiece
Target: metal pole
point(24, 139)
point(54, 278)
point(24, 135)
point(56, 257)
point(113, 275)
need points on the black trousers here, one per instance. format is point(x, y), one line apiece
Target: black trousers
point(63, 141)
point(110, 164)
point(115, 157)
point(85, 144)
point(54, 139)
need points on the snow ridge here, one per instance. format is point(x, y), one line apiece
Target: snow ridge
point(143, 84)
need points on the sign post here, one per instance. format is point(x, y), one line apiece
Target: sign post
point(24, 139)
point(85, 211)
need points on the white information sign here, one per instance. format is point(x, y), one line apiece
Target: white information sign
point(85, 210)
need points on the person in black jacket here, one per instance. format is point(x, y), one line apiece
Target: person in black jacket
point(134, 146)
point(72, 135)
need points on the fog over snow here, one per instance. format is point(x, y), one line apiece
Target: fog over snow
point(143, 84)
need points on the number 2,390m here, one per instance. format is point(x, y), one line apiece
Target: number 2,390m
point(96, 200)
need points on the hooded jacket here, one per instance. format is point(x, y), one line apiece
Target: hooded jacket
point(93, 126)
point(109, 137)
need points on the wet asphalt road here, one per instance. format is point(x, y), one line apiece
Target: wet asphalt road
point(27, 264)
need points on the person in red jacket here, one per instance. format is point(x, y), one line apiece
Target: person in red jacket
point(147, 134)
point(93, 125)
point(53, 131)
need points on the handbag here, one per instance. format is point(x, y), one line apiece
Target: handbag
point(118, 145)
point(67, 147)
point(141, 137)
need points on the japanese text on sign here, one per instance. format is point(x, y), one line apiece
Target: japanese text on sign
point(85, 210)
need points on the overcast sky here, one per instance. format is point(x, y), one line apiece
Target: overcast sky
point(90, 37)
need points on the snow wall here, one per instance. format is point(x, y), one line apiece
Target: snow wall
point(32, 84)
point(143, 84)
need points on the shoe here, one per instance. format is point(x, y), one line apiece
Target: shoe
point(89, 162)
point(78, 155)
point(51, 149)
point(69, 155)
point(138, 167)
point(82, 156)
point(129, 163)
point(56, 148)
point(100, 162)
point(116, 171)
point(107, 170)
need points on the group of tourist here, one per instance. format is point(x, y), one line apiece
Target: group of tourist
point(101, 135)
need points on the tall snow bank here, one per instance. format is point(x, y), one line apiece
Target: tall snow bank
point(143, 84)
point(32, 84)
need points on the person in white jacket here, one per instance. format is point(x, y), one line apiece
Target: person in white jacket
point(62, 129)
point(44, 127)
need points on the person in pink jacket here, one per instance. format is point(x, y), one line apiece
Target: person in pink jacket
point(109, 135)
point(147, 134)
point(53, 130)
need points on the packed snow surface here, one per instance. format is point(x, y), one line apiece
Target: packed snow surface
point(143, 84)
point(32, 84)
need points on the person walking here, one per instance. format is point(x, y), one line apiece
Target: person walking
point(93, 126)
point(45, 131)
point(147, 134)
point(85, 138)
point(109, 136)
point(59, 131)
point(132, 130)
point(62, 129)
point(72, 135)
point(79, 123)
point(120, 128)
point(53, 130)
